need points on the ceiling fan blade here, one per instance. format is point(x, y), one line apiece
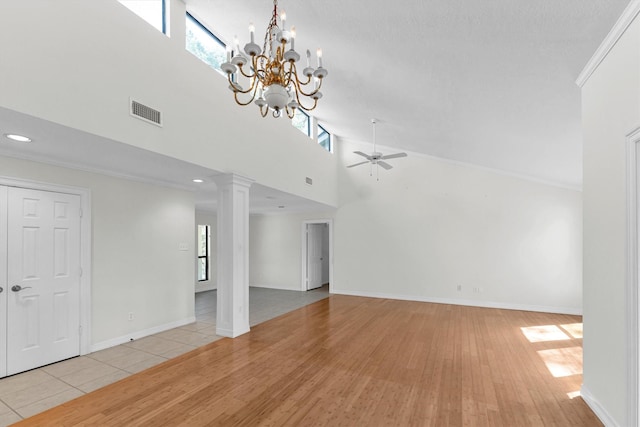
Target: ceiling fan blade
point(357, 164)
point(385, 165)
point(393, 156)
point(360, 153)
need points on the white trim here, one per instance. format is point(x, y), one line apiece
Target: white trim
point(4, 279)
point(303, 257)
point(141, 334)
point(631, 283)
point(466, 302)
point(598, 409)
point(609, 42)
point(95, 170)
point(85, 247)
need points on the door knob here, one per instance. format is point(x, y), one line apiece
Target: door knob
point(18, 288)
point(1, 289)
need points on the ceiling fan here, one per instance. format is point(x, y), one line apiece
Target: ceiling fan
point(376, 158)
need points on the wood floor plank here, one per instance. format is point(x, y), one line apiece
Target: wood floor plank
point(359, 361)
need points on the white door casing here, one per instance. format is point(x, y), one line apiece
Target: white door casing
point(3, 281)
point(314, 255)
point(632, 279)
point(43, 301)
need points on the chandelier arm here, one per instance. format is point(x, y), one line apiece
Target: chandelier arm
point(249, 76)
point(310, 94)
point(233, 84)
point(301, 105)
point(242, 104)
point(291, 112)
point(304, 83)
point(264, 111)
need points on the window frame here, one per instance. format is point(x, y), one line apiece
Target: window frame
point(207, 252)
point(215, 38)
point(308, 131)
point(321, 129)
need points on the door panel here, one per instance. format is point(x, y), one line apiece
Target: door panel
point(44, 263)
point(314, 255)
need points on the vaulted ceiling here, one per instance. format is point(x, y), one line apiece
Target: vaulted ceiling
point(490, 83)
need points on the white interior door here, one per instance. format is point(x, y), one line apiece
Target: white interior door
point(43, 299)
point(314, 255)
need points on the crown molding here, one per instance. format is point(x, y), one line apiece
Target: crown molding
point(632, 10)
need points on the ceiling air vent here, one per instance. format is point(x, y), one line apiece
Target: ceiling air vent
point(145, 113)
point(309, 181)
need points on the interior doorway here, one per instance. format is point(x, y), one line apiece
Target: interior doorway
point(317, 254)
point(45, 279)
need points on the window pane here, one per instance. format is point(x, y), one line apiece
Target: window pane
point(324, 138)
point(149, 10)
point(301, 122)
point(202, 269)
point(203, 230)
point(203, 44)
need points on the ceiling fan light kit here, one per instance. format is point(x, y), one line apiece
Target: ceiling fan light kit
point(376, 158)
point(272, 73)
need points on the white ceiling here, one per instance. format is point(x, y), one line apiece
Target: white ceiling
point(485, 82)
point(490, 83)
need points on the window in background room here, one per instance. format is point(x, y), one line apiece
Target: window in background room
point(152, 11)
point(324, 138)
point(302, 122)
point(203, 253)
point(202, 43)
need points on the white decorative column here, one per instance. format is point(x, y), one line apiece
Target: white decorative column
point(232, 318)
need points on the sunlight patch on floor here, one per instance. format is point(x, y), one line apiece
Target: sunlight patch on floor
point(544, 333)
point(574, 329)
point(563, 362)
point(574, 394)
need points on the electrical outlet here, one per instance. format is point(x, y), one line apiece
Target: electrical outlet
point(459, 288)
point(476, 290)
point(130, 316)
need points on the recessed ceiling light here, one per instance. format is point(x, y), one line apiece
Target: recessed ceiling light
point(198, 180)
point(19, 138)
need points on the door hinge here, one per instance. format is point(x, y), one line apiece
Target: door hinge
point(81, 212)
point(80, 271)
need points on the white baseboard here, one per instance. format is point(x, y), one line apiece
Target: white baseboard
point(140, 334)
point(597, 408)
point(454, 301)
point(229, 333)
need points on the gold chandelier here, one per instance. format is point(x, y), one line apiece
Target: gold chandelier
point(272, 74)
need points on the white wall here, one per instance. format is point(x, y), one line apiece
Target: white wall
point(94, 55)
point(210, 219)
point(136, 264)
point(429, 226)
point(275, 249)
point(611, 110)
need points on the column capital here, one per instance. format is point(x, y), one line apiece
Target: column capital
point(232, 178)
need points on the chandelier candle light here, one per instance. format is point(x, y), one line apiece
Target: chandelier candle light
point(272, 74)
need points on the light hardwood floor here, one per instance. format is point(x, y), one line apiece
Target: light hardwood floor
point(360, 362)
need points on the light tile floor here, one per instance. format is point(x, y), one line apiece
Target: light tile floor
point(29, 393)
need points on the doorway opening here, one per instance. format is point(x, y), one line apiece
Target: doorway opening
point(317, 254)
